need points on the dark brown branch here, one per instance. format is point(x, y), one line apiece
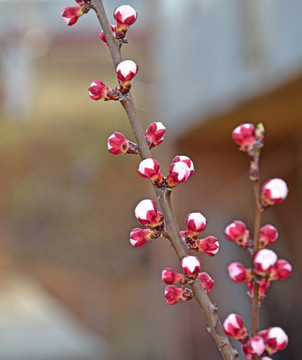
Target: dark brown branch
point(164, 198)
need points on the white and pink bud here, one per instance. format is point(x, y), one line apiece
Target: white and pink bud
point(155, 134)
point(254, 346)
point(275, 339)
point(71, 14)
point(139, 237)
point(102, 35)
point(238, 273)
point(274, 191)
point(98, 90)
point(206, 281)
point(147, 215)
point(125, 16)
point(149, 168)
point(125, 71)
point(179, 172)
point(281, 271)
point(195, 223)
point(264, 261)
point(208, 245)
point(191, 266)
point(186, 160)
point(237, 231)
point(268, 235)
point(233, 326)
point(118, 144)
point(173, 294)
point(171, 277)
point(244, 136)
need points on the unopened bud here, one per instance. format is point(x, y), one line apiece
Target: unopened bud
point(195, 223)
point(118, 144)
point(174, 294)
point(264, 261)
point(125, 71)
point(139, 237)
point(254, 346)
point(234, 327)
point(191, 266)
point(244, 135)
point(125, 16)
point(206, 281)
point(268, 235)
point(186, 160)
point(262, 289)
point(71, 14)
point(281, 271)
point(170, 277)
point(238, 273)
point(274, 191)
point(179, 172)
point(208, 245)
point(147, 214)
point(275, 339)
point(154, 134)
point(238, 232)
point(149, 168)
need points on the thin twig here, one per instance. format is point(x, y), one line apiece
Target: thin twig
point(257, 224)
point(164, 197)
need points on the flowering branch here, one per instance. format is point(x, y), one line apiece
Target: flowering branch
point(266, 266)
point(179, 171)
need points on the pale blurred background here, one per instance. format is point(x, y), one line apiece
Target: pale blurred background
point(71, 285)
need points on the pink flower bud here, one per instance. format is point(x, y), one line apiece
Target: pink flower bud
point(208, 245)
point(125, 16)
point(266, 358)
point(139, 237)
point(238, 273)
point(147, 214)
point(102, 35)
point(238, 232)
point(206, 281)
point(98, 90)
point(268, 235)
point(254, 346)
point(233, 326)
point(118, 144)
point(281, 271)
point(244, 135)
point(174, 294)
point(264, 261)
point(275, 339)
point(195, 223)
point(263, 287)
point(190, 265)
point(274, 191)
point(154, 134)
point(170, 277)
point(179, 172)
point(71, 14)
point(125, 71)
point(186, 160)
point(149, 168)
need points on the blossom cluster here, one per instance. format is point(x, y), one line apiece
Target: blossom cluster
point(266, 342)
point(125, 16)
point(191, 268)
point(266, 267)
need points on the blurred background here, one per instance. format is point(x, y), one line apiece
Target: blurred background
point(71, 285)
